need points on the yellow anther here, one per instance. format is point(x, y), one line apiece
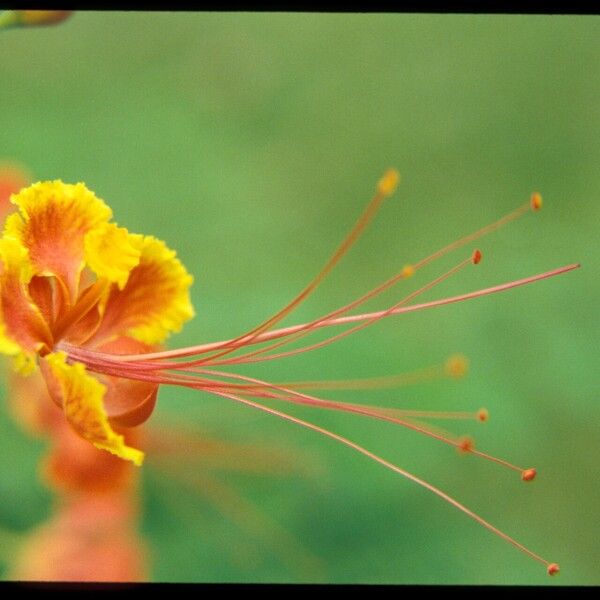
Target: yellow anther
point(457, 366)
point(408, 271)
point(389, 182)
point(536, 201)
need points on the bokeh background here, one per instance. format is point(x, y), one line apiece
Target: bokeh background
point(250, 143)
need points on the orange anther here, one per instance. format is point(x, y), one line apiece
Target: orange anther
point(466, 444)
point(536, 201)
point(483, 415)
point(528, 474)
point(408, 271)
point(476, 258)
point(553, 569)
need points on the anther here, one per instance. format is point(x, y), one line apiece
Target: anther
point(408, 271)
point(466, 444)
point(536, 201)
point(553, 569)
point(528, 474)
point(457, 366)
point(389, 182)
point(476, 258)
point(483, 415)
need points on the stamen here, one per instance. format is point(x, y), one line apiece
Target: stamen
point(367, 322)
point(515, 214)
point(552, 568)
point(398, 416)
point(456, 366)
point(466, 444)
point(86, 355)
point(407, 271)
point(456, 415)
point(528, 474)
point(388, 183)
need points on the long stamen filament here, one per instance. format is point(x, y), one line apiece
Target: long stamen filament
point(397, 416)
point(144, 360)
point(366, 323)
point(386, 381)
point(552, 568)
point(212, 361)
point(405, 273)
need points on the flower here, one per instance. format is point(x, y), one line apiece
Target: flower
point(67, 274)
point(89, 303)
point(28, 18)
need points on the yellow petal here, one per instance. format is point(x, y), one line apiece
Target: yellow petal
point(81, 397)
point(155, 300)
point(112, 252)
point(53, 220)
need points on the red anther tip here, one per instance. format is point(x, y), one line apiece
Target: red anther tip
point(466, 444)
point(528, 474)
point(476, 257)
point(553, 569)
point(483, 415)
point(536, 201)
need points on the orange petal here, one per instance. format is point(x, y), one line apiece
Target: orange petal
point(22, 326)
point(128, 402)
point(81, 397)
point(53, 221)
point(155, 300)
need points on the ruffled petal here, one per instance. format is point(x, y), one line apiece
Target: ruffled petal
point(81, 397)
point(22, 326)
point(155, 300)
point(53, 220)
point(112, 252)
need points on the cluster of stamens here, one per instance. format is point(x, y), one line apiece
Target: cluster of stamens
point(199, 367)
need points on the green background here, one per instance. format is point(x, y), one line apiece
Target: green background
point(250, 143)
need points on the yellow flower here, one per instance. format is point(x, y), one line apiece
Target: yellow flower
point(88, 302)
point(69, 275)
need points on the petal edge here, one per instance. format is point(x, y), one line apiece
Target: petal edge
point(81, 399)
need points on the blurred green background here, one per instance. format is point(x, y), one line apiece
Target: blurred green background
point(250, 143)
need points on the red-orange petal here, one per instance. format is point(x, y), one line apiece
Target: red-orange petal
point(22, 326)
point(128, 402)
